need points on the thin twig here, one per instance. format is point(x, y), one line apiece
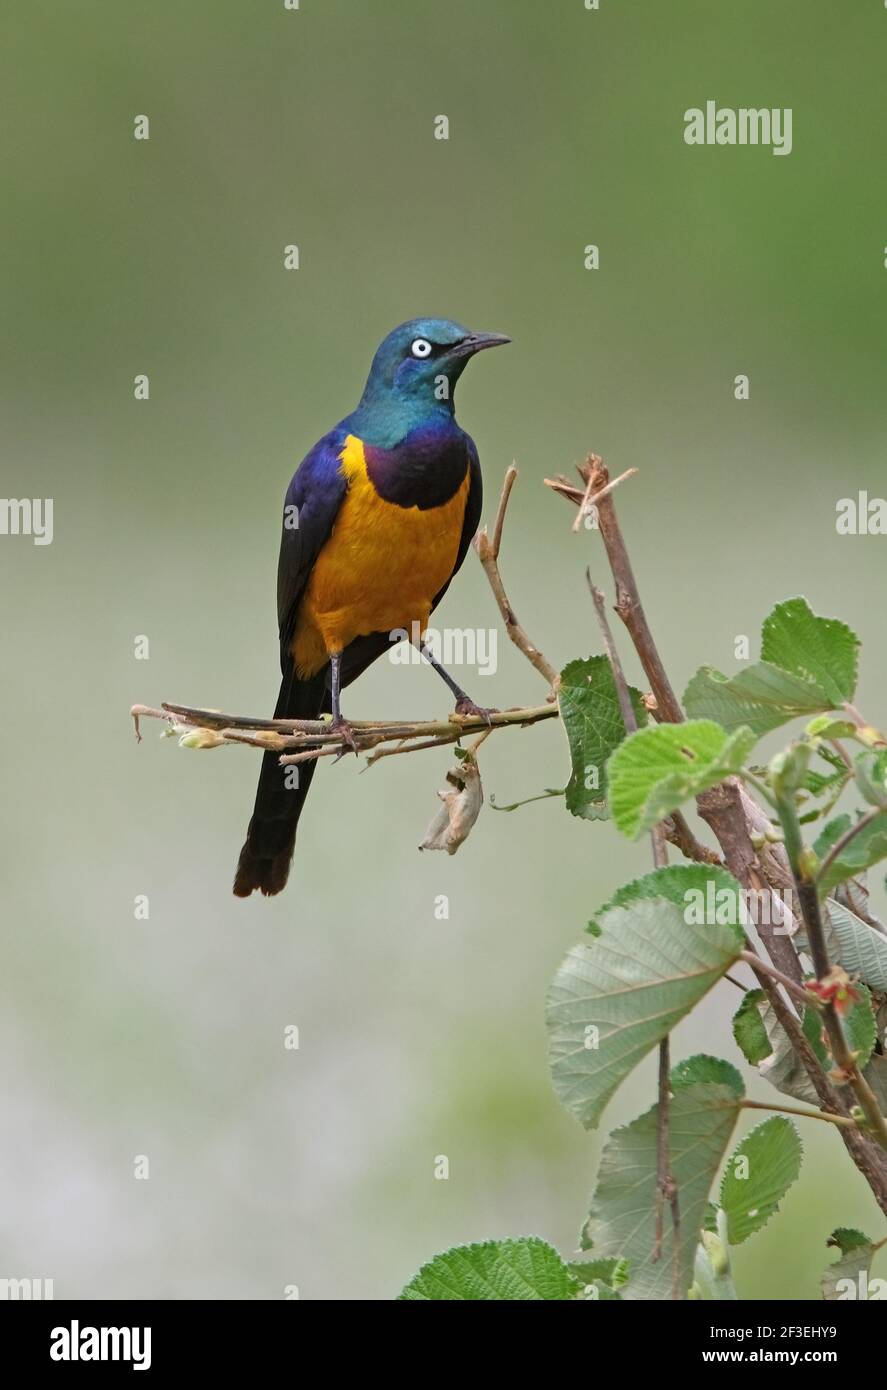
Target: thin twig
point(508, 483)
point(628, 603)
point(811, 911)
point(679, 834)
point(842, 1121)
point(622, 692)
point(405, 747)
point(666, 1187)
point(873, 737)
point(591, 498)
point(303, 740)
point(758, 963)
point(488, 553)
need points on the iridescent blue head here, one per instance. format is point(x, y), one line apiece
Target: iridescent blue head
point(414, 375)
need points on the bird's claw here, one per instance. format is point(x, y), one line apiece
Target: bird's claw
point(347, 735)
point(467, 707)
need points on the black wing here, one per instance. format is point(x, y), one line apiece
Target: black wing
point(471, 520)
point(311, 506)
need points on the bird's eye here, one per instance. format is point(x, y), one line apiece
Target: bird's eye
point(420, 347)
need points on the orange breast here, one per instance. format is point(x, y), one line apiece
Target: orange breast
point(380, 569)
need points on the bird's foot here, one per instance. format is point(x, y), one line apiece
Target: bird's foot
point(466, 706)
point(346, 734)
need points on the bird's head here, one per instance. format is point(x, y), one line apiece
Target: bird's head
point(417, 366)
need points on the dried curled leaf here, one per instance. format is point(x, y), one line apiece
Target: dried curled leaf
point(461, 803)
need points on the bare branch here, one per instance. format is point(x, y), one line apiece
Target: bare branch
point(488, 553)
point(591, 497)
point(302, 740)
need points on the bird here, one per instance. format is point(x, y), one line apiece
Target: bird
point(377, 519)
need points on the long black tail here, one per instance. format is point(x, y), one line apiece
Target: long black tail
point(265, 858)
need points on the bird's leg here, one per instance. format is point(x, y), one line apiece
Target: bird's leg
point(339, 725)
point(464, 703)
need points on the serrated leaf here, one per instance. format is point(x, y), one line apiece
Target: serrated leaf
point(600, 1280)
point(868, 847)
point(614, 998)
point(759, 1172)
point(656, 770)
point(861, 1028)
point(597, 1291)
point(678, 883)
point(761, 697)
point(827, 786)
point(527, 1269)
point(844, 1278)
point(592, 719)
point(821, 650)
point(622, 1220)
point(612, 1271)
point(697, 1070)
point(748, 1028)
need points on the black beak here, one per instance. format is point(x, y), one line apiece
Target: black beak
point(476, 342)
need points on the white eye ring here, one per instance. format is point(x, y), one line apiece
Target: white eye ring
point(420, 347)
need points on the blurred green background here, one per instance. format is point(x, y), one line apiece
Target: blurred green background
point(418, 1037)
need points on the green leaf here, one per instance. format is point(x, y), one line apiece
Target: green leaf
point(860, 1027)
point(597, 1291)
point(612, 1271)
point(856, 1255)
point(876, 1076)
point(592, 718)
point(680, 884)
point(781, 1066)
point(656, 770)
point(870, 770)
point(759, 1172)
point(599, 1279)
point(859, 948)
point(821, 650)
point(712, 1275)
point(807, 668)
point(830, 726)
point(622, 1220)
point(748, 1028)
point(615, 998)
point(760, 697)
point(864, 850)
point(701, 1068)
point(827, 786)
point(526, 1269)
